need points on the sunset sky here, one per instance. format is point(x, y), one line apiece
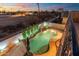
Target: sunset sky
point(43, 6)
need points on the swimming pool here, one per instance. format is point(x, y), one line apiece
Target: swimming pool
point(41, 41)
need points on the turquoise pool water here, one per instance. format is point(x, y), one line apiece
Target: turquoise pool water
point(39, 41)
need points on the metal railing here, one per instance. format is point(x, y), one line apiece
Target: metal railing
point(75, 46)
point(70, 45)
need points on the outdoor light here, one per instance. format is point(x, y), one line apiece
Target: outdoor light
point(44, 32)
point(3, 45)
point(16, 41)
point(45, 24)
point(18, 38)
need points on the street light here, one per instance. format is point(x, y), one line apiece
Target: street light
point(38, 9)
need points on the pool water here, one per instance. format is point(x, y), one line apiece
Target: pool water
point(40, 43)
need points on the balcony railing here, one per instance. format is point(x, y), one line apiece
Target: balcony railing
point(70, 42)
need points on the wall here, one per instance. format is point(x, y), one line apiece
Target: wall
point(75, 15)
point(16, 50)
